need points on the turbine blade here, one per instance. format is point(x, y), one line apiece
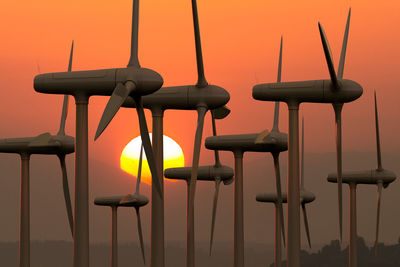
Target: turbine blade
point(139, 224)
point(64, 112)
point(338, 121)
point(214, 212)
point(378, 213)
point(276, 113)
point(67, 197)
point(134, 59)
point(302, 153)
point(195, 163)
point(280, 62)
point(121, 92)
point(71, 54)
point(328, 57)
point(303, 206)
point(139, 175)
point(279, 193)
point(201, 82)
point(344, 47)
point(144, 133)
point(378, 141)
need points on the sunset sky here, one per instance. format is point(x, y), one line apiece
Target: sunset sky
point(240, 42)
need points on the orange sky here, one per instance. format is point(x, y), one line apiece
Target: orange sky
point(240, 47)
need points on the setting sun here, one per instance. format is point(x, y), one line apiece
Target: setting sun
point(173, 157)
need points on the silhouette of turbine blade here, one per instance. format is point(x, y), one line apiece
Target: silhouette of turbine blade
point(121, 92)
point(201, 111)
point(144, 134)
point(276, 112)
point(134, 59)
point(344, 48)
point(140, 233)
point(64, 112)
point(378, 141)
point(201, 81)
point(214, 212)
point(338, 124)
point(139, 175)
point(303, 206)
point(279, 193)
point(328, 57)
point(378, 213)
point(67, 197)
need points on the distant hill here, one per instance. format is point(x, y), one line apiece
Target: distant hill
point(333, 256)
point(59, 254)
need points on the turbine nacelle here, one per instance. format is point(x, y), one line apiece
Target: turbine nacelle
point(365, 177)
point(205, 173)
point(135, 200)
point(305, 197)
point(45, 144)
point(317, 91)
point(273, 142)
point(98, 82)
point(187, 97)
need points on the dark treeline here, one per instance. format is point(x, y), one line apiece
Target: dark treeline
point(333, 256)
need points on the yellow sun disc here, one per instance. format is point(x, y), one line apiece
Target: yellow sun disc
point(173, 157)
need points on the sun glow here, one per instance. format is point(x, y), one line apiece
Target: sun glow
point(129, 162)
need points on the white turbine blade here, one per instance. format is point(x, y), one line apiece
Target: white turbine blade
point(378, 141)
point(303, 206)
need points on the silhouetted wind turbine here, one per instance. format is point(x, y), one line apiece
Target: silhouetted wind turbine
point(47, 144)
point(305, 197)
point(217, 173)
point(120, 83)
point(335, 91)
point(200, 97)
point(137, 201)
point(380, 177)
point(273, 142)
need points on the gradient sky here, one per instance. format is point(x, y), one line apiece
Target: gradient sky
point(240, 42)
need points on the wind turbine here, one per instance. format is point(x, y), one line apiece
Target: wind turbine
point(305, 197)
point(378, 176)
point(336, 91)
point(216, 173)
point(137, 201)
point(119, 83)
point(267, 141)
point(200, 97)
point(47, 144)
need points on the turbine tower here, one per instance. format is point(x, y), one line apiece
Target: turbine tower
point(45, 144)
point(305, 197)
point(380, 177)
point(216, 173)
point(137, 201)
point(200, 97)
point(336, 91)
point(274, 142)
point(120, 83)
